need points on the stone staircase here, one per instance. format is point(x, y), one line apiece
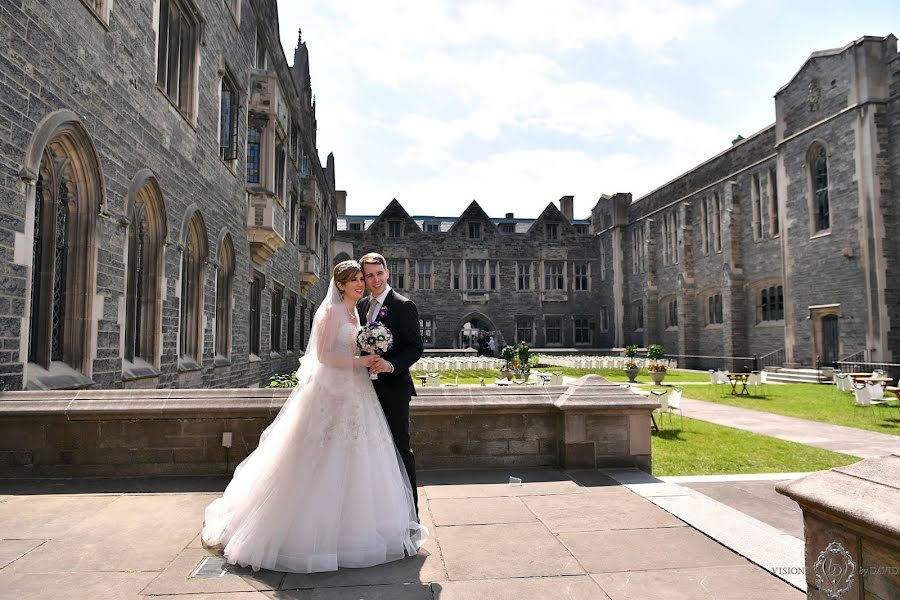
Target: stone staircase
point(798, 375)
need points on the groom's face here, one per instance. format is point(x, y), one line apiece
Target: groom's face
point(376, 276)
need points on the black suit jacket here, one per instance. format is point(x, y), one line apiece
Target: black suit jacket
point(402, 318)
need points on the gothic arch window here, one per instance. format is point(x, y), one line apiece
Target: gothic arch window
point(68, 194)
point(817, 159)
point(193, 269)
point(146, 235)
point(224, 286)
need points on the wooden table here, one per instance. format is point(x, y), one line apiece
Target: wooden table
point(868, 378)
point(739, 378)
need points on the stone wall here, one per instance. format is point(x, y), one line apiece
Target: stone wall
point(179, 432)
point(60, 56)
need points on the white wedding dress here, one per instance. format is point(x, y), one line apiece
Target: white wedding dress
point(326, 487)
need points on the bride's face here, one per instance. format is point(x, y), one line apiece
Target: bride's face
point(353, 289)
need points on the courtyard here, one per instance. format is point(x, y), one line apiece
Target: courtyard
point(567, 534)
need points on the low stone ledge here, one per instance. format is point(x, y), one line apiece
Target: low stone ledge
point(589, 424)
point(850, 517)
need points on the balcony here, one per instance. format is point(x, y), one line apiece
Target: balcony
point(554, 296)
point(265, 240)
point(266, 97)
point(310, 270)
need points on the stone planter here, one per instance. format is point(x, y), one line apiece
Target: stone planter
point(657, 376)
point(632, 373)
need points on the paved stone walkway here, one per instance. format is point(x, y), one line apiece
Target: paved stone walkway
point(848, 440)
point(560, 534)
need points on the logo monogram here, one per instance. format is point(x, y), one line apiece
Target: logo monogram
point(835, 571)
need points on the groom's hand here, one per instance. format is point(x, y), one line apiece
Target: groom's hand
point(381, 366)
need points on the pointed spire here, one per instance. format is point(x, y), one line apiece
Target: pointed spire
point(299, 37)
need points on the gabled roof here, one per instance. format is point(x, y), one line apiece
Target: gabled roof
point(394, 210)
point(832, 52)
point(550, 214)
point(473, 212)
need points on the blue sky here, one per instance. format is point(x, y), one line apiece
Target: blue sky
point(515, 103)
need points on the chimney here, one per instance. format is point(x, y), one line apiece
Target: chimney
point(340, 200)
point(509, 216)
point(566, 207)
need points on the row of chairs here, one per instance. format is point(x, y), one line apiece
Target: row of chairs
point(600, 362)
point(456, 363)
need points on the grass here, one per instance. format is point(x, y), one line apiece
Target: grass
point(811, 401)
point(618, 375)
point(701, 448)
point(472, 376)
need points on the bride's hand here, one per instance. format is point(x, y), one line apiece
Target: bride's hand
point(366, 361)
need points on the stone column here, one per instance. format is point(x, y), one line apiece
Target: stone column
point(733, 294)
point(688, 326)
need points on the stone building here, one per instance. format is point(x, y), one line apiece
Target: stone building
point(165, 218)
point(785, 244)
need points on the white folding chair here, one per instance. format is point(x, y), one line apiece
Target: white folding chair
point(755, 380)
point(455, 383)
point(675, 405)
point(661, 397)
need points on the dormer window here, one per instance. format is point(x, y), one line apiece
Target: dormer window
point(552, 231)
point(432, 226)
point(507, 228)
point(395, 229)
point(474, 231)
point(356, 225)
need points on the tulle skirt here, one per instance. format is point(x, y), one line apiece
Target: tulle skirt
point(324, 489)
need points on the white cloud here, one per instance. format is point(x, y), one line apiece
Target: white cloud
point(487, 99)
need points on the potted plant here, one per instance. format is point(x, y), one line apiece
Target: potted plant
point(631, 365)
point(655, 353)
point(508, 355)
point(521, 366)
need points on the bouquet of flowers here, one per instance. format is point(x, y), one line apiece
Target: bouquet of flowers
point(374, 338)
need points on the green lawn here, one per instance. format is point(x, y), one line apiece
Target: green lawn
point(812, 401)
point(472, 376)
point(702, 448)
point(618, 375)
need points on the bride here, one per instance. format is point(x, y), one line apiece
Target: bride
point(326, 487)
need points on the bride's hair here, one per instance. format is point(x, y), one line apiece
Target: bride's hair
point(345, 271)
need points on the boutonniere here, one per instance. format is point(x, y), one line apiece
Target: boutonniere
point(383, 312)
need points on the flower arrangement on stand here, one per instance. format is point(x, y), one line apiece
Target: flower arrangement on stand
point(631, 365)
point(655, 353)
point(517, 361)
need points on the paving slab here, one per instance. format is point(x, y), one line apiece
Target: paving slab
point(480, 511)
point(402, 591)
point(647, 549)
point(47, 517)
point(74, 586)
point(132, 533)
point(760, 542)
point(493, 490)
point(602, 509)
point(720, 583)
point(10, 550)
point(504, 551)
point(575, 587)
point(176, 578)
point(757, 499)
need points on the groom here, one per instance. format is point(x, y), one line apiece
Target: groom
point(394, 385)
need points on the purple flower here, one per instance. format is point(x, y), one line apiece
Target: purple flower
point(382, 313)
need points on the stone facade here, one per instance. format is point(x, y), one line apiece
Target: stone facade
point(137, 211)
point(784, 243)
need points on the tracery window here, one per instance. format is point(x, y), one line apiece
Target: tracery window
point(224, 287)
point(193, 269)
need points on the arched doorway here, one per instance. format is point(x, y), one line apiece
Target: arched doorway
point(476, 331)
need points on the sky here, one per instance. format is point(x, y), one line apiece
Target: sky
point(515, 103)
